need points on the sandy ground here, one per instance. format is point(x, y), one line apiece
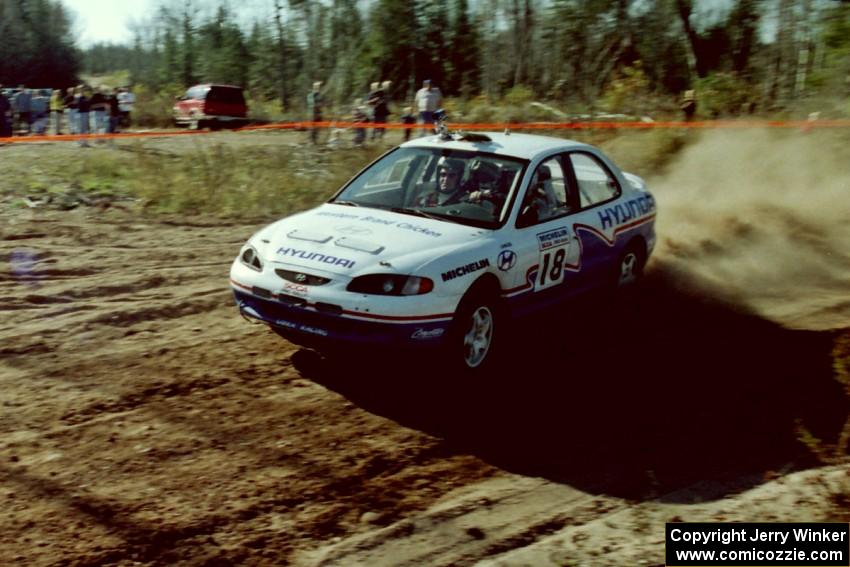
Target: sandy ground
point(144, 422)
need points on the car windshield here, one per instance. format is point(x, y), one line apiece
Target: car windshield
point(467, 187)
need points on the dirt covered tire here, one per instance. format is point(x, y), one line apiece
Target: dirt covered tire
point(629, 269)
point(474, 333)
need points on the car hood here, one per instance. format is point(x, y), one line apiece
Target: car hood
point(350, 241)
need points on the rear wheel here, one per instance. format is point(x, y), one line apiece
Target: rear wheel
point(630, 266)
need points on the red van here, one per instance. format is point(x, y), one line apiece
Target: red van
point(211, 106)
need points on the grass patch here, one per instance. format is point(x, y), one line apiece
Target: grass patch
point(244, 182)
point(647, 152)
point(249, 174)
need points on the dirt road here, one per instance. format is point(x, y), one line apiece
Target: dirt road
point(144, 422)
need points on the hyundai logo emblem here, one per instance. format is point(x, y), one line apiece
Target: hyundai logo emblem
point(507, 259)
point(301, 278)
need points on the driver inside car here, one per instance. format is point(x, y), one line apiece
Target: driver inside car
point(448, 188)
point(483, 186)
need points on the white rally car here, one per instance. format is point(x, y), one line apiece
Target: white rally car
point(442, 239)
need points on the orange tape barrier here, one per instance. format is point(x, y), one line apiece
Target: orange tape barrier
point(568, 125)
point(513, 126)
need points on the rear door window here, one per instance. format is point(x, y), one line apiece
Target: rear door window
point(547, 192)
point(596, 184)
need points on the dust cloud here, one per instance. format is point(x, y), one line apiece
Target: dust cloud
point(761, 219)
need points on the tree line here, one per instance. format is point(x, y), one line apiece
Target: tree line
point(586, 53)
point(37, 44)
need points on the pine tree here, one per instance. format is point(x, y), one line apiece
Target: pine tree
point(392, 47)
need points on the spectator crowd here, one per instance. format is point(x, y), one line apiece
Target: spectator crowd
point(376, 108)
point(103, 110)
point(76, 110)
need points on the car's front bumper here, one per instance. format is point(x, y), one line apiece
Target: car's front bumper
point(311, 327)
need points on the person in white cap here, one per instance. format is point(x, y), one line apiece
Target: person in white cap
point(428, 99)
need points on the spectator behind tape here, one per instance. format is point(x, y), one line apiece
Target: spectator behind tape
point(23, 108)
point(428, 100)
point(57, 109)
point(126, 101)
point(5, 107)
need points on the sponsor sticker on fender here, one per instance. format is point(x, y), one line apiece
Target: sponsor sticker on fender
point(553, 238)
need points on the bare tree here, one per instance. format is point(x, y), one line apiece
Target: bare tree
point(283, 58)
point(523, 27)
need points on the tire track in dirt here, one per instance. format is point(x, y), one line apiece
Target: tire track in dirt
point(484, 520)
point(165, 430)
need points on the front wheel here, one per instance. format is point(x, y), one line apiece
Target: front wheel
point(474, 333)
point(479, 336)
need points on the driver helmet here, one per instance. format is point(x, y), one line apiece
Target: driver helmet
point(485, 173)
point(450, 166)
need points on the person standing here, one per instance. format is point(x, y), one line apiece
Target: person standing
point(372, 97)
point(380, 102)
point(57, 108)
point(114, 112)
point(40, 110)
point(23, 108)
point(689, 105)
point(358, 114)
point(314, 109)
point(126, 100)
point(5, 107)
point(408, 119)
point(99, 105)
point(428, 99)
point(71, 109)
point(83, 107)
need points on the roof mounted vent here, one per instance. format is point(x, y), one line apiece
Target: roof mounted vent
point(442, 129)
point(473, 137)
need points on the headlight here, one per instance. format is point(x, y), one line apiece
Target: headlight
point(250, 258)
point(390, 284)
